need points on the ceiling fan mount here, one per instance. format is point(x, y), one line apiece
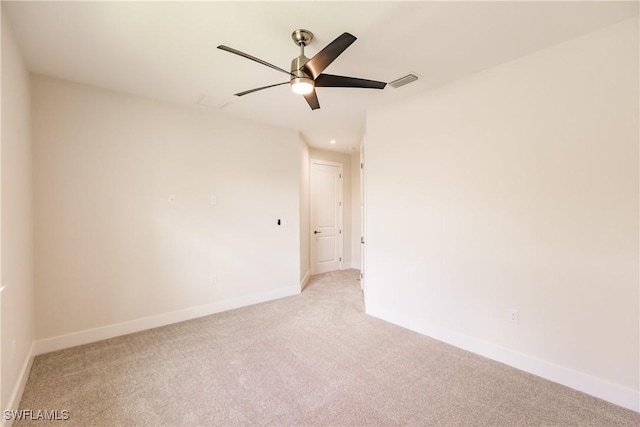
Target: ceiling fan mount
point(302, 37)
point(307, 74)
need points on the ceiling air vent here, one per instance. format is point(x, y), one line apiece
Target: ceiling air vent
point(404, 80)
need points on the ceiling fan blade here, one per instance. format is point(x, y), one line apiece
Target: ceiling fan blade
point(326, 56)
point(253, 58)
point(329, 80)
point(259, 88)
point(312, 100)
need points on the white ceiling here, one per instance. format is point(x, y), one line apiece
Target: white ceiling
point(167, 50)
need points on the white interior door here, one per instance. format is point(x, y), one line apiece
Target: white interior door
point(326, 216)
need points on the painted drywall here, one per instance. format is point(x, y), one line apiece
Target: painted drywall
point(345, 159)
point(355, 210)
point(517, 188)
point(305, 254)
point(126, 224)
point(17, 221)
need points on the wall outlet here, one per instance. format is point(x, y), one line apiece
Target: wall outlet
point(514, 316)
point(214, 200)
point(172, 199)
point(213, 279)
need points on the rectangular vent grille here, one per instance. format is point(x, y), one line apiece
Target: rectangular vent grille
point(404, 80)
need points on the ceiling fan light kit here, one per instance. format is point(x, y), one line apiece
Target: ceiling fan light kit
point(306, 74)
point(302, 85)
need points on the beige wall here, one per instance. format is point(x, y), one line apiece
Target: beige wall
point(305, 254)
point(110, 247)
point(355, 210)
point(17, 220)
point(517, 188)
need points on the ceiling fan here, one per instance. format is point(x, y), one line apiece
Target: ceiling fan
point(306, 74)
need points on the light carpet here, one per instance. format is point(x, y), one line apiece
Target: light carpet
point(314, 359)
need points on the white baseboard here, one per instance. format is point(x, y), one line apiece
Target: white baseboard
point(353, 264)
point(110, 331)
point(16, 396)
point(614, 393)
point(305, 280)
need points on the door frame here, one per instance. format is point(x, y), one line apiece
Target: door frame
point(363, 221)
point(340, 213)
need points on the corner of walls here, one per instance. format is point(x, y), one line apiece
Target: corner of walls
point(305, 250)
point(16, 395)
point(354, 265)
point(17, 219)
point(305, 280)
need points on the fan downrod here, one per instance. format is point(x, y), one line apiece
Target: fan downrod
point(302, 37)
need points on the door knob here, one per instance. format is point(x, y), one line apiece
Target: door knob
point(317, 232)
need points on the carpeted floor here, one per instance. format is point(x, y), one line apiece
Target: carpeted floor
point(314, 359)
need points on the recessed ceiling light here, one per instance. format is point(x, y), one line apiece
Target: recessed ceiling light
point(333, 141)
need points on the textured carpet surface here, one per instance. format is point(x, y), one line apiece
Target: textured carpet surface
point(313, 359)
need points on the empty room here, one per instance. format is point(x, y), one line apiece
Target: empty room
point(320, 213)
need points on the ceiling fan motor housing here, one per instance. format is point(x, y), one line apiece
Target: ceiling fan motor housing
point(301, 82)
point(296, 68)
